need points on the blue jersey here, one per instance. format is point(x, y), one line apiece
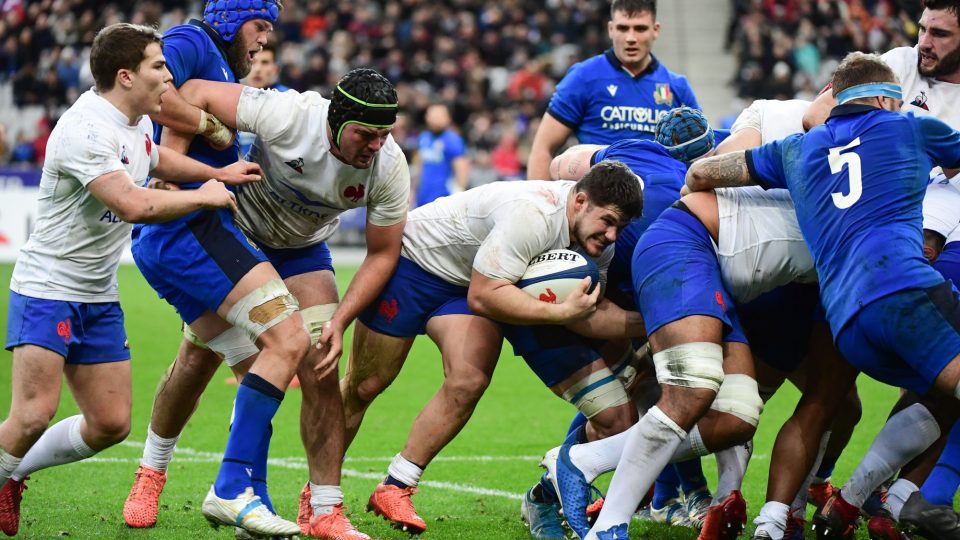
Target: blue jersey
point(194, 51)
point(858, 183)
point(602, 102)
point(437, 152)
point(662, 180)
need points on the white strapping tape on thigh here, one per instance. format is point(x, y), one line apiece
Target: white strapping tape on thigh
point(263, 308)
point(193, 338)
point(233, 346)
point(739, 396)
point(314, 318)
point(592, 401)
point(691, 365)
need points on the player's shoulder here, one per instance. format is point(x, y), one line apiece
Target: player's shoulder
point(589, 68)
point(631, 146)
point(186, 32)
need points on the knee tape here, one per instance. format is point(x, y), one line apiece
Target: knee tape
point(262, 309)
point(232, 346)
point(739, 396)
point(314, 318)
point(691, 365)
point(596, 392)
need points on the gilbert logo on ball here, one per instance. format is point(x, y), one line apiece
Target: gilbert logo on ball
point(553, 275)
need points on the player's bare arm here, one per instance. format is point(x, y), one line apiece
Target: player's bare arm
point(728, 170)
point(819, 110)
point(574, 162)
point(741, 140)
point(177, 168)
point(610, 321)
point(178, 114)
point(383, 252)
point(503, 301)
point(134, 204)
point(550, 135)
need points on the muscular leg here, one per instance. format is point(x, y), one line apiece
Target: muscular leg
point(467, 366)
point(609, 421)
point(180, 388)
point(374, 362)
point(35, 395)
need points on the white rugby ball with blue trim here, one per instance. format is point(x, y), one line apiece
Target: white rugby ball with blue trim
point(553, 275)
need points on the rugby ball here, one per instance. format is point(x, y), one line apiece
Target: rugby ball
point(553, 275)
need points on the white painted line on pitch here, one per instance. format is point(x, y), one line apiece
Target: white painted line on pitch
point(189, 455)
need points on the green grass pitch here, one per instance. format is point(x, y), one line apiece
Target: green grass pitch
point(472, 491)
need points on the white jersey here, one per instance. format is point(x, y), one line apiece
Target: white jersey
point(73, 252)
point(941, 205)
point(305, 188)
point(759, 244)
point(924, 95)
point(495, 229)
point(773, 119)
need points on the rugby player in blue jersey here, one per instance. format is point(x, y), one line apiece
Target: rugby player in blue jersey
point(858, 182)
point(619, 94)
point(207, 269)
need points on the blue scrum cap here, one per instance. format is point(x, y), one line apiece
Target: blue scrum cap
point(685, 133)
point(227, 16)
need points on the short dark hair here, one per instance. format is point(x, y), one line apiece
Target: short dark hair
point(119, 46)
point(611, 183)
point(952, 6)
point(634, 7)
point(861, 68)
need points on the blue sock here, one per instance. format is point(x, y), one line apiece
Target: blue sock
point(391, 481)
point(826, 468)
point(257, 401)
point(667, 487)
point(942, 484)
point(576, 434)
point(691, 475)
point(259, 476)
point(578, 421)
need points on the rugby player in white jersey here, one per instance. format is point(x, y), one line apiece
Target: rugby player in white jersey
point(65, 316)
point(460, 260)
point(320, 157)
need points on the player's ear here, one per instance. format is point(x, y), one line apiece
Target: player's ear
point(125, 78)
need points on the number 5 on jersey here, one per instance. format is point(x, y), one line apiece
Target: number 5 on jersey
point(854, 172)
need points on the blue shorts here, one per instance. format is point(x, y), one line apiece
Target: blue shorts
point(80, 332)
point(948, 263)
point(553, 352)
point(676, 274)
point(779, 324)
point(193, 264)
point(905, 339)
point(411, 298)
point(297, 261)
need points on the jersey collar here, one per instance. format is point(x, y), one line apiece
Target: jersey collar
point(852, 108)
point(615, 62)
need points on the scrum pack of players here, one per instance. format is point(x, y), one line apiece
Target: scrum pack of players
point(817, 274)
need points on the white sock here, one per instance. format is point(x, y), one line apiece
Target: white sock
point(772, 519)
point(8, 464)
point(405, 471)
point(59, 444)
point(799, 505)
point(597, 457)
point(691, 447)
point(650, 444)
point(904, 436)
point(324, 498)
point(898, 494)
point(157, 451)
point(731, 467)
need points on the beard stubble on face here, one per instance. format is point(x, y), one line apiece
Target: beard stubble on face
point(237, 57)
point(946, 65)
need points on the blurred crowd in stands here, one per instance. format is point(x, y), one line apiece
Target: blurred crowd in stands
point(493, 62)
point(789, 48)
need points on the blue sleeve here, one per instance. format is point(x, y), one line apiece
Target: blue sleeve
point(454, 147)
point(685, 93)
point(765, 164)
point(567, 103)
point(184, 52)
point(940, 140)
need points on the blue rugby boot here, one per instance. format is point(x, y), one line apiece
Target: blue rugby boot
point(572, 487)
point(543, 518)
point(617, 532)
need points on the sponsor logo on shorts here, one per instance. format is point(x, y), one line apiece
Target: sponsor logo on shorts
point(354, 193)
point(719, 297)
point(549, 296)
point(388, 309)
point(63, 330)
